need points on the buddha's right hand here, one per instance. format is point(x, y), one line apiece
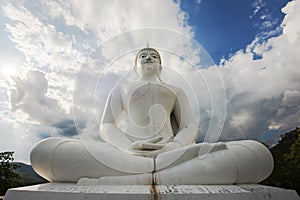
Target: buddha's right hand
point(150, 144)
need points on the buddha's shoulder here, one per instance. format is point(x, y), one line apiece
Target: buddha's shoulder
point(173, 87)
point(131, 86)
point(176, 90)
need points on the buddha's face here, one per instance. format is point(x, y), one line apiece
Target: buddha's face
point(148, 63)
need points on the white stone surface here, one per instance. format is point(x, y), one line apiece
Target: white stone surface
point(69, 191)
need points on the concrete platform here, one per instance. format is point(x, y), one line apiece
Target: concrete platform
point(66, 191)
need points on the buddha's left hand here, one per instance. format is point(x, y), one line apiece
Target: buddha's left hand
point(148, 144)
point(154, 152)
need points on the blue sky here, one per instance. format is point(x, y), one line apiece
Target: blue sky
point(59, 59)
point(224, 27)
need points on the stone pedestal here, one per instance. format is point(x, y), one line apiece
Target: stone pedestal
point(67, 191)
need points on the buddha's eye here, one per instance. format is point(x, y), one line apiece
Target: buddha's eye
point(142, 56)
point(154, 55)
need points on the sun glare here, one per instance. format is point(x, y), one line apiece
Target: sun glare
point(8, 70)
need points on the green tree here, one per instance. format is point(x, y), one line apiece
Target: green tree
point(293, 161)
point(286, 154)
point(8, 178)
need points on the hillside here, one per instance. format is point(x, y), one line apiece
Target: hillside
point(28, 175)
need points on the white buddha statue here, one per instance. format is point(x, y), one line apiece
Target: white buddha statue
point(150, 132)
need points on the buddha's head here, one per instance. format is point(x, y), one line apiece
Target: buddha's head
point(148, 62)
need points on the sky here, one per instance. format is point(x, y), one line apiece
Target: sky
point(238, 62)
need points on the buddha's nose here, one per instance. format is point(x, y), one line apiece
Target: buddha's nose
point(148, 58)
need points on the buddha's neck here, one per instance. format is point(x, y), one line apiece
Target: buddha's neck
point(148, 78)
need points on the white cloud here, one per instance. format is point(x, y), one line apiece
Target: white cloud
point(29, 96)
point(291, 30)
point(264, 92)
point(257, 5)
point(108, 18)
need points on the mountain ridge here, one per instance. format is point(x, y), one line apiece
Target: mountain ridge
point(27, 175)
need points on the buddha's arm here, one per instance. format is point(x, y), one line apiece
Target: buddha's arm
point(187, 131)
point(109, 130)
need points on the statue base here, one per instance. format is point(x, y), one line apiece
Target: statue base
point(69, 191)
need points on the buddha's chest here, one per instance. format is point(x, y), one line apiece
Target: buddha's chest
point(144, 101)
point(140, 98)
point(147, 108)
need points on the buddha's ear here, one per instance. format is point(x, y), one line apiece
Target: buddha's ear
point(159, 69)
